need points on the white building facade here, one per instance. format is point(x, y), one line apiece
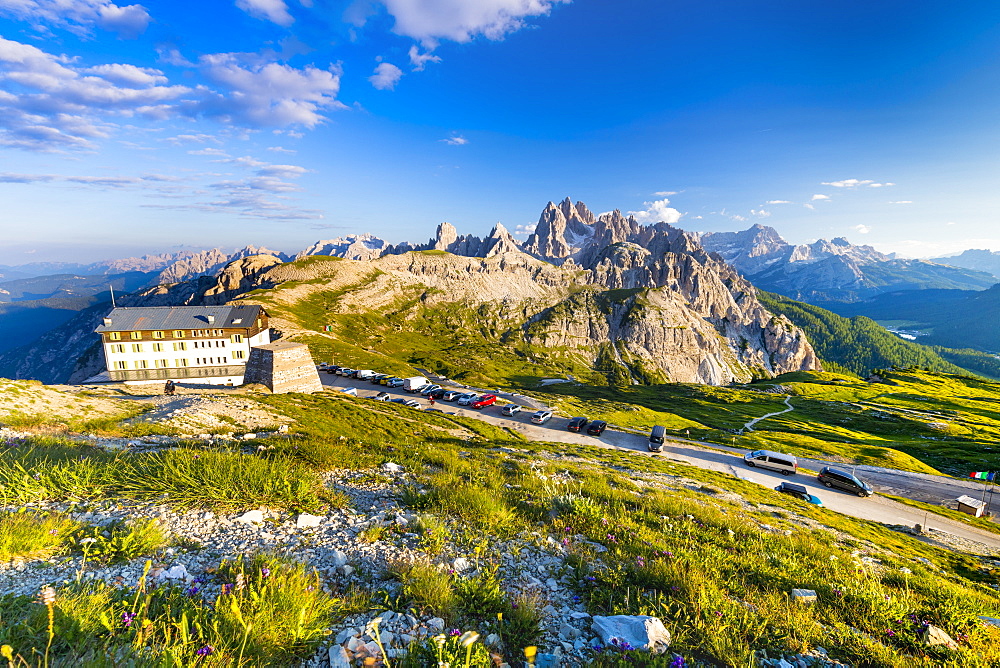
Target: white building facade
point(195, 344)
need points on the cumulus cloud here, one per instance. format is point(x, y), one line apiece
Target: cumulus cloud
point(760, 213)
point(129, 75)
point(902, 201)
point(386, 76)
point(657, 211)
point(275, 11)
point(862, 229)
point(525, 229)
point(856, 183)
point(420, 60)
point(777, 201)
point(266, 94)
point(820, 197)
point(283, 171)
point(460, 20)
point(79, 15)
point(455, 140)
point(809, 206)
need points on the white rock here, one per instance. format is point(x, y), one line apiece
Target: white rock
point(639, 631)
point(353, 643)
point(346, 569)
point(461, 564)
point(343, 636)
point(339, 658)
point(178, 572)
point(305, 521)
point(492, 640)
point(436, 623)
point(251, 517)
point(338, 558)
point(390, 467)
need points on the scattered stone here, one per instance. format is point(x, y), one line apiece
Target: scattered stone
point(251, 517)
point(639, 631)
point(993, 621)
point(461, 564)
point(390, 467)
point(932, 636)
point(306, 521)
point(436, 623)
point(806, 596)
point(339, 658)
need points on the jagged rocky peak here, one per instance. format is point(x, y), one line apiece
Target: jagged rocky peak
point(446, 236)
point(500, 241)
point(352, 247)
point(562, 230)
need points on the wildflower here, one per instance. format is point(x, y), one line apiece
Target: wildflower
point(468, 638)
point(205, 650)
point(226, 588)
point(530, 652)
point(905, 571)
point(47, 596)
point(128, 618)
point(264, 571)
point(240, 581)
point(54, 532)
point(7, 652)
point(87, 541)
point(678, 662)
point(192, 591)
point(455, 632)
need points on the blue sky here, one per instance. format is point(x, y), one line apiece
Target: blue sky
point(130, 129)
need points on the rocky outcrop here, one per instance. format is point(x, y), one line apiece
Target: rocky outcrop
point(210, 262)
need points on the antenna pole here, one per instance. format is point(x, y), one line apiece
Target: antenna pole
point(112, 295)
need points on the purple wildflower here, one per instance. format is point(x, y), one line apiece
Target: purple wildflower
point(128, 618)
point(205, 650)
point(192, 591)
point(264, 571)
point(455, 632)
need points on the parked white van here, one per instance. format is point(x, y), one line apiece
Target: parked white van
point(776, 461)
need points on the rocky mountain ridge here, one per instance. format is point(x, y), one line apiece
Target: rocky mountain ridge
point(831, 271)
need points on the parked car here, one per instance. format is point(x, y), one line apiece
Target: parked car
point(433, 410)
point(381, 396)
point(394, 382)
point(541, 417)
point(775, 461)
point(412, 403)
point(427, 389)
point(466, 399)
point(353, 391)
point(377, 378)
point(415, 383)
point(399, 400)
point(450, 395)
point(387, 378)
point(656, 438)
point(484, 401)
point(436, 394)
point(344, 371)
point(332, 369)
point(597, 427)
point(840, 479)
point(577, 424)
point(799, 492)
point(511, 409)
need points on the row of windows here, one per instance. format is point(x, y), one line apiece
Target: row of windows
point(177, 334)
point(178, 345)
point(123, 365)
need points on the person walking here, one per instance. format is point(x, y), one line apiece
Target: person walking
point(168, 389)
point(432, 401)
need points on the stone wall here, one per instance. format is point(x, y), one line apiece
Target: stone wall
point(283, 366)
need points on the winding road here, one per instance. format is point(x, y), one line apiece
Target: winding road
point(710, 456)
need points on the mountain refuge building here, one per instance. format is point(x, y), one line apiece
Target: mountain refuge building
point(194, 344)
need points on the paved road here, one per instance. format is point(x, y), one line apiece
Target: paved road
point(933, 489)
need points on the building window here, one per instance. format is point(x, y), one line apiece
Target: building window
point(157, 347)
point(223, 360)
point(157, 335)
point(117, 347)
point(137, 347)
point(121, 365)
point(178, 333)
point(181, 362)
point(141, 364)
point(136, 335)
point(114, 336)
point(238, 355)
point(236, 338)
point(218, 332)
point(180, 345)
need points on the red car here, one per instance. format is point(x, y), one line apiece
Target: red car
point(485, 400)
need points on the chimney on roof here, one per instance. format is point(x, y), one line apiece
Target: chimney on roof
point(107, 322)
point(211, 319)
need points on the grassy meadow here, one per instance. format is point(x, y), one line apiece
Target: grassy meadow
point(714, 557)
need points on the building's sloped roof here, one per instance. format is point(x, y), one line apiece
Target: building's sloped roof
point(145, 318)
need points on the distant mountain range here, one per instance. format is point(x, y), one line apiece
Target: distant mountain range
point(610, 252)
point(833, 271)
point(979, 260)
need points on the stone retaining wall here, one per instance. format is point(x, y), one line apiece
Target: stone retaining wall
point(283, 366)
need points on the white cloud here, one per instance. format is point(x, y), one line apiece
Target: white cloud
point(855, 183)
point(275, 11)
point(777, 201)
point(214, 152)
point(738, 218)
point(281, 149)
point(386, 76)
point(420, 60)
point(657, 211)
point(128, 75)
point(820, 197)
point(283, 171)
point(862, 229)
point(78, 15)
point(460, 20)
point(665, 193)
point(455, 140)
point(268, 94)
point(809, 206)
point(760, 213)
point(525, 229)
point(902, 201)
